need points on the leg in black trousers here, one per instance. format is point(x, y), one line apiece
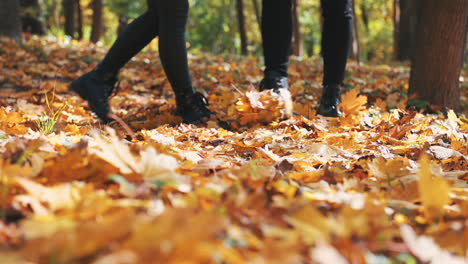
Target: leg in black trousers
point(336, 40)
point(336, 37)
point(277, 30)
point(168, 20)
point(133, 39)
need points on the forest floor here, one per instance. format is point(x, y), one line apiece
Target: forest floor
point(380, 185)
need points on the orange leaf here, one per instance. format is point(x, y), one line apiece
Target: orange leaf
point(352, 102)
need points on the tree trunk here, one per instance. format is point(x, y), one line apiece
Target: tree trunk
point(31, 17)
point(364, 16)
point(406, 16)
point(69, 13)
point(56, 14)
point(297, 44)
point(368, 53)
point(355, 47)
point(10, 22)
point(79, 15)
point(257, 14)
point(97, 21)
point(440, 43)
point(242, 30)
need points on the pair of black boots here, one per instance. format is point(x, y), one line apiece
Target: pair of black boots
point(96, 87)
point(330, 95)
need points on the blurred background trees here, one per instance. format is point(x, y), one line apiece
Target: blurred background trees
point(384, 30)
point(10, 22)
point(225, 26)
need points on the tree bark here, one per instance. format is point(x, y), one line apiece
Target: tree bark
point(97, 21)
point(79, 15)
point(10, 22)
point(355, 47)
point(406, 16)
point(257, 14)
point(368, 54)
point(440, 43)
point(242, 29)
point(297, 36)
point(56, 14)
point(69, 8)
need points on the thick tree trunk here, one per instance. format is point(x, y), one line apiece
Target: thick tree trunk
point(79, 15)
point(406, 18)
point(297, 36)
point(440, 43)
point(10, 22)
point(242, 29)
point(355, 47)
point(69, 7)
point(97, 21)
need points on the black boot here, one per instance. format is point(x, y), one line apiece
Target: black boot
point(274, 81)
point(330, 101)
point(193, 108)
point(96, 88)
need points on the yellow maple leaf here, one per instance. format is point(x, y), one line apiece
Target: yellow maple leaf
point(433, 190)
point(263, 107)
point(352, 102)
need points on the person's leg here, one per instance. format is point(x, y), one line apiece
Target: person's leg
point(97, 85)
point(336, 40)
point(133, 39)
point(277, 40)
point(173, 15)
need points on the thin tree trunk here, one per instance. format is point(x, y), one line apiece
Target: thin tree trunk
point(297, 44)
point(257, 13)
point(79, 14)
point(365, 16)
point(97, 21)
point(438, 59)
point(396, 27)
point(56, 14)
point(242, 29)
point(355, 47)
point(321, 25)
point(368, 54)
point(69, 14)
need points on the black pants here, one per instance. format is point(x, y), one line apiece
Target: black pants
point(166, 19)
point(336, 37)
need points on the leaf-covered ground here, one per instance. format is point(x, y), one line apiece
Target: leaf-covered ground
point(379, 185)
